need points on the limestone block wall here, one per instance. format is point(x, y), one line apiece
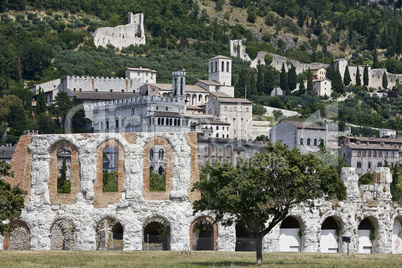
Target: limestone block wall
point(76, 221)
point(100, 84)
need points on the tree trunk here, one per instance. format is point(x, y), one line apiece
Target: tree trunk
point(259, 250)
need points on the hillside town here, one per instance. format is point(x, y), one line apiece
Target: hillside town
point(132, 161)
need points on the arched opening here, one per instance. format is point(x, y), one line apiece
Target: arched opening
point(330, 234)
point(18, 238)
point(109, 235)
point(62, 235)
point(203, 235)
point(367, 233)
point(156, 236)
point(227, 66)
point(199, 98)
point(194, 100)
point(222, 66)
point(308, 141)
point(290, 235)
point(64, 170)
point(301, 141)
point(245, 239)
point(110, 179)
point(397, 236)
point(315, 142)
point(157, 176)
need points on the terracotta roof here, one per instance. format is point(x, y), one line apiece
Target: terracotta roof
point(6, 152)
point(372, 146)
point(209, 82)
point(305, 125)
point(369, 139)
point(141, 69)
point(225, 98)
point(103, 95)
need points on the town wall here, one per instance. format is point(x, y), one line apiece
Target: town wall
point(100, 84)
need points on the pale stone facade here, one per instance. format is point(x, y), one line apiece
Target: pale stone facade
point(304, 135)
point(123, 35)
point(84, 219)
point(322, 87)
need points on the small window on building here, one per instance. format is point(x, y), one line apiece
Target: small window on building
point(386, 154)
point(166, 109)
point(117, 123)
point(392, 154)
point(315, 142)
point(220, 149)
point(379, 153)
point(369, 165)
point(359, 164)
point(374, 153)
point(96, 90)
point(359, 153)
point(308, 141)
point(217, 135)
point(74, 89)
point(107, 124)
point(80, 89)
point(364, 153)
point(217, 127)
point(301, 141)
point(122, 91)
point(234, 131)
point(111, 90)
point(206, 149)
point(369, 153)
point(379, 164)
point(213, 148)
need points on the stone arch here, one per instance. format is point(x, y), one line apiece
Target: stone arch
point(156, 231)
point(109, 234)
point(194, 100)
point(205, 239)
point(368, 235)
point(397, 235)
point(74, 169)
point(19, 238)
point(331, 234)
point(245, 239)
point(102, 199)
point(62, 235)
point(168, 154)
point(290, 234)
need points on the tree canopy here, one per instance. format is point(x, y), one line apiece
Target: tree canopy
point(11, 200)
point(261, 191)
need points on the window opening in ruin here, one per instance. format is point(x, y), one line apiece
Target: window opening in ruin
point(157, 176)
point(64, 170)
point(18, 238)
point(110, 169)
point(290, 235)
point(109, 235)
point(245, 239)
point(203, 235)
point(62, 235)
point(156, 236)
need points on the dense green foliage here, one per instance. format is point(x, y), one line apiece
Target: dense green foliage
point(264, 188)
point(157, 182)
point(366, 179)
point(63, 183)
point(11, 200)
point(110, 181)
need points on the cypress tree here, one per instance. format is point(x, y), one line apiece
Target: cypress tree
point(41, 102)
point(384, 80)
point(358, 81)
point(253, 85)
point(302, 89)
point(292, 78)
point(337, 84)
point(309, 80)
point(260, 79)
point(346, 77)
point(365, 76)
point(269, 80)
point(331, 71)
point(375, 59)
point(283, 80)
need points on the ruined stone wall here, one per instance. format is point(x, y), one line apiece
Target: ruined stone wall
point(122, 35)
point(77, 220)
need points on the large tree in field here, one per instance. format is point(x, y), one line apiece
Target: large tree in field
point(11, 200)
point(260, 192)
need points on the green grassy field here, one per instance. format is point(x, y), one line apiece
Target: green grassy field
point(195, 259)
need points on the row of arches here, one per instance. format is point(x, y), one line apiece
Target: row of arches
point(196, 99)
point(315, 142)
point(161, 121)
point(203, 235)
